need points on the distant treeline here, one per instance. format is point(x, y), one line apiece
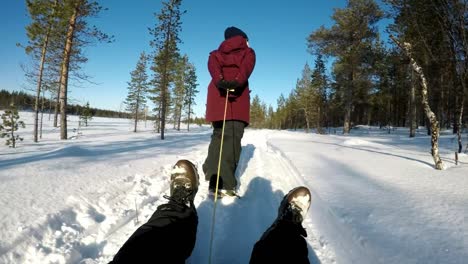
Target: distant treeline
point(25, 101)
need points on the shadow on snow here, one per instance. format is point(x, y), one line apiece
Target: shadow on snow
point(238, 225)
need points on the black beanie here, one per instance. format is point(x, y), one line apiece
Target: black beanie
point(233, 31)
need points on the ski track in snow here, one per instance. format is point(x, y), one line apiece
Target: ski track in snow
point(379, 209)
point(265, 177)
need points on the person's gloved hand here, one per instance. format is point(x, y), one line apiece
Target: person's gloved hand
point(227, 85)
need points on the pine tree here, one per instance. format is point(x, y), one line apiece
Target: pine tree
point(138, 90)
point(78, 34)
point(179, 91)
point(184, 91)
point(86, 114)
point(453, 20)
point(191, 91)
point(306, 96)
point(43, 16)
point(10, 124)
point(166, 38)
point(270, 117)
point(319, 90)
point(350, 41)
point(257, 113)
point(155, 97)
point(436, 31)
point(295, 117)
point(280, 118)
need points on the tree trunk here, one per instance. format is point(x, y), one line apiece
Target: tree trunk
point(12, 133)
point(412, 107)
point(461, 93)
point(50, 106)
point(369, 117)
point(348, 105)
point(136, 120)
point(319, 120)
point(146, 114)
point(347, 118)
point(39, 85)
point(460, 125)
point(136, 112)
point(434, 124)
point(65, 68)
point(164, 87)
point(306, 115)
point(188, 117)
point(57, 103)
point(42, 113)
point(39, 78)
point(158, 125)
point(163, 107)
point(179, 119)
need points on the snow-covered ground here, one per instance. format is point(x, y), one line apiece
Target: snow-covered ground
point(376, 197)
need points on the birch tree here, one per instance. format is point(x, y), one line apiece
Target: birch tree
point(435, 130)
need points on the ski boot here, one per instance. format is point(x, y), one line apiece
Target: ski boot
point(184, 182)
point(295, 205)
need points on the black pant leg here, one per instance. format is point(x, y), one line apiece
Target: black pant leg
point(210, 166)
point(233, 133)
point(283, 242)
point(238, 133)
point(168, 237)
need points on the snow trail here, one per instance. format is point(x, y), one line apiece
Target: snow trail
point(241, 222)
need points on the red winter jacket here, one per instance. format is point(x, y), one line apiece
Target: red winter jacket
point(233, 60)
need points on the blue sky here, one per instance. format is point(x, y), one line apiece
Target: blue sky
point(277, 31)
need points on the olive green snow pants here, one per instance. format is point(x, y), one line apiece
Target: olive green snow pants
point(233, 133)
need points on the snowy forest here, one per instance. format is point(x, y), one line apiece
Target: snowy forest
point(376, 81)
point(360, 75)
point(375, 126)
point(415, 74)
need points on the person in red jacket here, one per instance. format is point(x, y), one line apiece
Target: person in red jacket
point(230, 67)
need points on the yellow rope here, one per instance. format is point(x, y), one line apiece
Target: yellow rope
point(217, 178)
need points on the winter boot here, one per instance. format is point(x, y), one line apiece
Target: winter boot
point(184, 182)
point(291, 212)
point(295, 205)
point(228, 193)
